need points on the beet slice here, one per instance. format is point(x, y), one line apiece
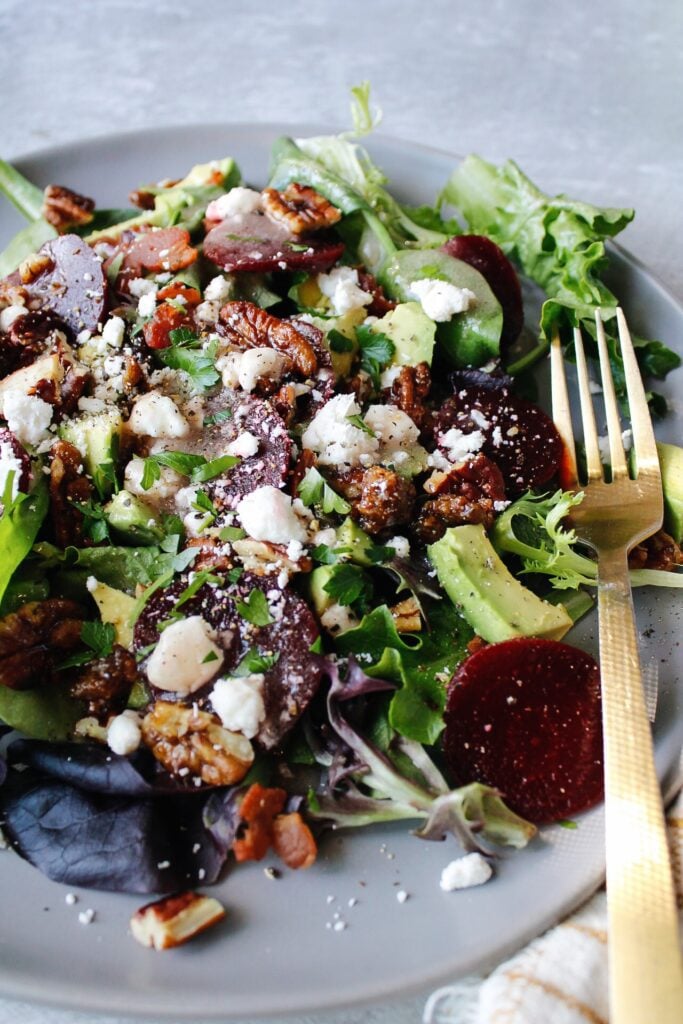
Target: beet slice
point(492, 263)
point(254, 242)
point(518, 436)
point(150, 251)
point(236, 414)
point(525, 716)
point(11, 449)
point(72, 285)
point(293, 680)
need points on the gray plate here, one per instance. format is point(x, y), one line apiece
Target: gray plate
point(276, 953)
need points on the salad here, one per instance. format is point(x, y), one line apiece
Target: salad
point(284, 541)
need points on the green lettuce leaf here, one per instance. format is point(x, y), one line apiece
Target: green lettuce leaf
point(19, 525)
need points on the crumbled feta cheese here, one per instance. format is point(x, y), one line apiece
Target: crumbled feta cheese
point(165, 487)
point(334, 438)
point(472, 869)
point(219, 289)
point(327, 537)
point(338, 618)
point(441, 300)
point(479, 420)
point(340, 286)
point(113, 331)
point(140, 286)
point(245, 368)
point(91, 405)
point(207, 312)
point(156, 415)
point(460, 446)
point(9, 315)
point(267, 514)
point(397, 436)
point(401, 546)
point(28, 416)
point(147, 304)
point(401, 896)
point(238, 702)
point(244, 445)
point(238, 200)
point(123, 733)
point(186, 656)
point(86, 916)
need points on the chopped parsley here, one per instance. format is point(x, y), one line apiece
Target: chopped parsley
point(348, 585)
point(99, 637)
point(376, 350)
point(339, 342)
point(255, 609)
point(359, 422)
point(253, 661)
point(188, 353)
point(314, 490)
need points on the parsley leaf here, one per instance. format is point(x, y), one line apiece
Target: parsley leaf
point(255, 662)
point(211, 656)
point(198, 363)
point(326, 555)
point(99, 637)
point(314, 490)
point(217, 417)
point(348, 584)
point(196, 584)
point(359, 422)
point(95, 525)
point(376, 350)
point(255, 609)
point(378, 554)
point(339, 342)
point(231, 533)
point(202, 503)
point(209, 470)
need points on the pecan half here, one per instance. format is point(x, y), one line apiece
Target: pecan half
point(299, 208)
point(386, 499)
point(68, 483)
point(35, 265)
point(657, 552)
point(466, 494)
point(65, 209)
point(175, 919)
point(406, 616)
point(380, 303)
point(248, 326)
point(410, 389)
point(34, 638)
point(188, 741)
point(106, 682)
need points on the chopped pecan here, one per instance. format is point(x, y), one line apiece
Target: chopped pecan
point(188, 741)
point(258, 809)
point(410, 389)
point(386, 499)
point(175, 919)
point(65, 209)
point(106, 683)
point(34, 638)
point(299, 208)
point(211, 554)
point(133, 374)
point(263, 558)
point(248, 326)
point(380, 303)
point(466, 494)
point(68, 484)
point(35, 265)
point(657, 552)
point(142, 199)
point(293, 841)
point(406, 616)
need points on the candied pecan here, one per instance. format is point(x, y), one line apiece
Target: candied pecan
point(106, 682)
point(258, 809)
point(34, 331)
point(465, 494)
point(35, 265)
point(657, 552)
point(34, 637)
point(260, 557)
point(406, 616)
point(211, 554)
point(142, 199)
point(68, 483)
point(362, 386)
point(284, 403)
point(410, 389)
point(293, 841)
point(248, 326)
point(133, 374)
point(188, 741)
point(300, 208)
point(65, 209)
point(386, 499)
point(349, 483)
point(380, 303)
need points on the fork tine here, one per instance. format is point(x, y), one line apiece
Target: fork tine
point(590, 430)
point(616, 446)
point(644, 444)
point(561, 413)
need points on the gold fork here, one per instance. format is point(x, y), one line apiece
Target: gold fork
point(645, 972)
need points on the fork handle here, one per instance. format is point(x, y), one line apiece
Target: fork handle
point(646, 976)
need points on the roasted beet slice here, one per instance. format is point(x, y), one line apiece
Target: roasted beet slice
point(518, 436)
point(237, 414)
point(255, 243)
point(14, 458)
point(492, 263)
point(525, 716)
point(71, 284)
point(291, 683)
point(150, 251)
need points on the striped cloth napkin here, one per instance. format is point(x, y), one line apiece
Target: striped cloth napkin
point(560, 977)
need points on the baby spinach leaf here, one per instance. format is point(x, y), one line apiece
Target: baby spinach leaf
point(19, 525)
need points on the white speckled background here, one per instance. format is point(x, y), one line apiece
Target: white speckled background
point(585, 96)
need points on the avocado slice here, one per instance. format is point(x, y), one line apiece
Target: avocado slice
point(671, 465)
point(470, 338)
point(316, 585)
point(116, 607)
point(494, 603)
point(133, 519)
point(411, 331)
point(97, 436)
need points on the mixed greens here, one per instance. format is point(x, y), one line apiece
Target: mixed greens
point(268, 484)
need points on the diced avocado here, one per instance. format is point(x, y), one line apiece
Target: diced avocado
point(470, 338)
point(116, 607)
point(345, 325)
point(671, 464)
point(316, 583)
point(96, 435)
point(411, 331)
point(494, 603)
point(133, 519)
point(351, 537)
